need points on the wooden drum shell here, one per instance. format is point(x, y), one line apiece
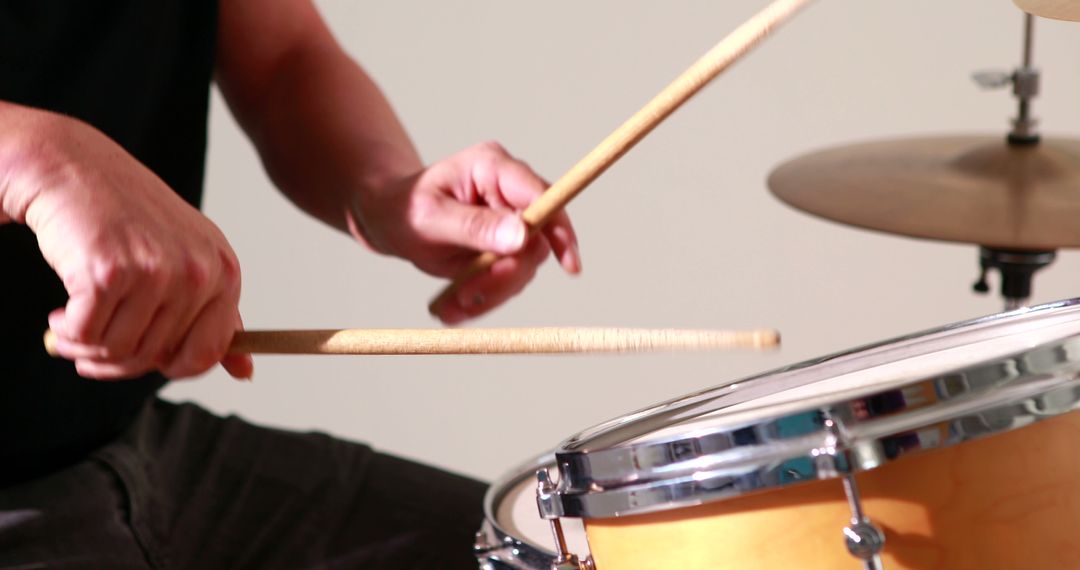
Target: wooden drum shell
point(1007, 501)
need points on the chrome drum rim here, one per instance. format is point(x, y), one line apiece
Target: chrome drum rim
point(619, 468)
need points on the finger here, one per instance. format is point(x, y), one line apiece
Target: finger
point(475, 227)
point(92, 299)
point(74, 351)
point(70, 349)
point(106, 370)
point(154, 346)
point(147, 352)
point(206, 342)
point(519, 186)
point(87, 313)
point(130, 321)
point(151, 349)
point(485, 178)
point(506, 278)
point(516, 183)
point(563, 240)
point(239, 366)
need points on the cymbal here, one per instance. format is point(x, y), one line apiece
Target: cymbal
point(1060, 9)
point(959, 188)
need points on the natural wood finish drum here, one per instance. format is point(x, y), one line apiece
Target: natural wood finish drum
point(1008, 501)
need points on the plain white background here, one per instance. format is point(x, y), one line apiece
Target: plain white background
point(680, 233)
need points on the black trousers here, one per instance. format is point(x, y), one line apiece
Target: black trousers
point(186, 489)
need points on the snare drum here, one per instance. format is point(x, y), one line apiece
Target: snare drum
point(948, 449)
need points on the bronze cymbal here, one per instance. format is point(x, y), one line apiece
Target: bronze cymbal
point(966, 189)
point(1060, 9)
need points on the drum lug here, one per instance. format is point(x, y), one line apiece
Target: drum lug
point(545, 490)
point(863, 539)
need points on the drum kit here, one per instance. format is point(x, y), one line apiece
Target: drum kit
point(953, 448)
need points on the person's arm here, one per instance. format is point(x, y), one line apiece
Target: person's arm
point(152, 283)
point(331, 142)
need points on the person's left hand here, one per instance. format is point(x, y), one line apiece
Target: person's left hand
point(442, 216)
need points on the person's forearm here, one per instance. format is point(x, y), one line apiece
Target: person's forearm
point(324, 131)
point(32, 145)
point(17, 158)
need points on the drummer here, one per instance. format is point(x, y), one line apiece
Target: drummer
point(104, 107)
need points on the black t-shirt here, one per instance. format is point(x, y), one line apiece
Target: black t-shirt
point(138, 70)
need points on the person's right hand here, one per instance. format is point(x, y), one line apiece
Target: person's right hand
point(153, 284)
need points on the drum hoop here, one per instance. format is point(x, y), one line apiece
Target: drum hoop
point(839, 436)
point(497, 547)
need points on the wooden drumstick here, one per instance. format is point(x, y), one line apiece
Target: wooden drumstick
point(487, 341)
point(719, 58)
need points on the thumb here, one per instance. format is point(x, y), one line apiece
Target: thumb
point(239, 366)
point(477, 227)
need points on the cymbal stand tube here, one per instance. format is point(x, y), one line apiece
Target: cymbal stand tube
point(1029, 38)
point(1026, 86)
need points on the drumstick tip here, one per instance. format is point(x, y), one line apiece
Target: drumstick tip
point(766, 338)
point(49, 340)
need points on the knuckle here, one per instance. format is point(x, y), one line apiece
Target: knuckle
point(78, 279)
point(491, 147)
point(110, 273)
point(230, 268)
point(156, 274)
point(196, 274)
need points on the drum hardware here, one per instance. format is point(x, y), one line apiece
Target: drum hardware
point(513, 535)
point(719, 474)
point(1017, 267)
point(564, 560)
point(863, 540)
point(1017, 199)
point(1025, 83)
point(1052, 404)
point(482, 543)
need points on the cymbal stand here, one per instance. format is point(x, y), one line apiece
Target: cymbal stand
point(1025, 83)
point(1017, 267)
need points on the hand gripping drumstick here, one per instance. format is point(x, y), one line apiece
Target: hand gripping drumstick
point(486, 341)
point(704, 70)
